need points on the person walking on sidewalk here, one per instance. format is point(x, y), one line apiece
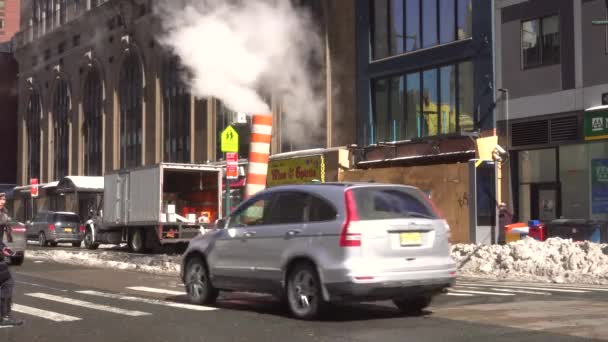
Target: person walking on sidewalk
point(6, 279)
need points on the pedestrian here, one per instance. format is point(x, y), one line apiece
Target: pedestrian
point(505, 217)
point(6, 280)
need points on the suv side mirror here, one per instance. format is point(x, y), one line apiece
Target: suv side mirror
point(220, 223)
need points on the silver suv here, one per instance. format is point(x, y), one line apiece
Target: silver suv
point(321, 243)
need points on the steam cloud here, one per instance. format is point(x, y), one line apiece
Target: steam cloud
point(241, 50)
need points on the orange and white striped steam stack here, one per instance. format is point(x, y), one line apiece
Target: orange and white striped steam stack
point(261, 134)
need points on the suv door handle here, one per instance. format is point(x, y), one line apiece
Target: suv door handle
point(249, 234)
point(294, 232)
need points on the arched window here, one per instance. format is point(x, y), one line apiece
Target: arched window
point(61, 128)
point(92, 103)
point(176, 115)
point(130, 96)
point(34, 112)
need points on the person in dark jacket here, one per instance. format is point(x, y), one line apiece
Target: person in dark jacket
point(6, 279)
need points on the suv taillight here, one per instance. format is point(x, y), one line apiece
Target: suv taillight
point(51, 227)
point(347, 237)
point(82, 229)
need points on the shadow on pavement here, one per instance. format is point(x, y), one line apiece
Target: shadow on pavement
point(269, 305)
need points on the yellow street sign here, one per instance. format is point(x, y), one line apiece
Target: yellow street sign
point(230, 140)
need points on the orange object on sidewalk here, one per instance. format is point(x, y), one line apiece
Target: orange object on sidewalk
point(259, 153)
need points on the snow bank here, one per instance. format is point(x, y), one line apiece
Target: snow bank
point(157, 264)
point(555, 260)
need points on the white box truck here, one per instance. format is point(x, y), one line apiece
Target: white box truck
point(150, 206)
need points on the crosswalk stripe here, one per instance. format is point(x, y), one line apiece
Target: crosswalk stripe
point(155, 290)
point(50, 315)
point(148, 301)
point(482, 292)
point(459, 294)
point(527, 288)
point(551, 285)
point(522, 291)
point(88, 305)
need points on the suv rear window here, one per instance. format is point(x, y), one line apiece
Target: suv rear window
point(67, 218)
point(378, 203)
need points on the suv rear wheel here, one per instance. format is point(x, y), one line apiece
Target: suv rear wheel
point(304, 294)
point(198, 285)
point(413, 305)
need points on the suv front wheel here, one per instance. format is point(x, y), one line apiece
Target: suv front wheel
point(304, 294)
point(198, 285)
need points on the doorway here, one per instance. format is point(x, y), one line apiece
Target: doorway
point(545, 201)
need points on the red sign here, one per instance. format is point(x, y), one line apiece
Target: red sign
point(232, 165)
point(34, 184)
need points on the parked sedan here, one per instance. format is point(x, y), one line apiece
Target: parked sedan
point(315, 244)
point(14, 238)
point(51, 227)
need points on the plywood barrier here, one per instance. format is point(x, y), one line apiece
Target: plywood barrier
point(448, 186)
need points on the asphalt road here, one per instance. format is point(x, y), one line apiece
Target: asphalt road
point(68, 303)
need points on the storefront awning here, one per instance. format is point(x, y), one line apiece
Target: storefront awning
point(80, 183)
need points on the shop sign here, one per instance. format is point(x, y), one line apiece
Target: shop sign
point(596, 125)
point(295, 171)
point(599, 186)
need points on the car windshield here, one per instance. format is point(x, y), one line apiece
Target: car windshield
point(379, 203)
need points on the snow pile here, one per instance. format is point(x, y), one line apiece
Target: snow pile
point(158, 264)
point(555, 260)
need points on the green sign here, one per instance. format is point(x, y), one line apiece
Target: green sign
point(596, 124)
point(229, 140)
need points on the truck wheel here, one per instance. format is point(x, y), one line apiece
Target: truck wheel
point(53, 243)
point(88, 240)
point(42, 242)
point(137, 241)
point(198, 285)
point(76, 244)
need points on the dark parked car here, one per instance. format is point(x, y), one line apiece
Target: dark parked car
point(14, 238)
point(51, 228)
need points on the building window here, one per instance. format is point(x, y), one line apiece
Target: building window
point(421, 104)
point(130, 97)
point(61, 128)
point(48, 14)
point(34, 112)
point(2, 24)
point(226, 117)
point(176, 115)
point(2, 4)
point(92, 106)
point(540, 42)
point(400, 26)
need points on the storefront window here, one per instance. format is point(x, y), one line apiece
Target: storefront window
point(401, 111)
point(574, 178)
point(537, 166)
point(580, 191)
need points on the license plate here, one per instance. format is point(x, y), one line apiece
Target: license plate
point(67, 230)
point(410, 239)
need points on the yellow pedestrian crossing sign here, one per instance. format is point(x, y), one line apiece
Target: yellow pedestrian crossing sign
point(230, 140)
